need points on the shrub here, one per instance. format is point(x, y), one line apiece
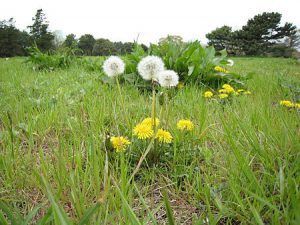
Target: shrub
point(281, 50)
point(61, 58)
point(193, 63)
point(91, 64)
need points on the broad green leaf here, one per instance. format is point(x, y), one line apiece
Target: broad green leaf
point(191, 70)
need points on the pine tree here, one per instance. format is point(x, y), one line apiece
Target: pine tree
point(39, 32)
point(13, 42)
point(261, 33)
point(220, 38)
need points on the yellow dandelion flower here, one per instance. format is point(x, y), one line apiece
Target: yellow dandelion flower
point(228, 88)
point(208, 94)
point(143, 131)
point(150, 121)
point(297, 105)
point(222, 96)
point(222, 91)
point(221, 69)
point(164, 136)
point(235, 93)
point(180, 85)
point(185, 125)
point(119, 143)
point(287, 103)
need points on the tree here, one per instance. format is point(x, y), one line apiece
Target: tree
point(103, 47)
point(24, 42)
point(39, 32)
point(106, 47)
point(255, 38)
point(145, 47)
point(293, 40)
point(13, 42)
point(220, 38)
point(121, 48)
point(127, 48)
point(281, 50)
point(70, 41)
point(171, 38)
point(86, 44)
point(261, 32)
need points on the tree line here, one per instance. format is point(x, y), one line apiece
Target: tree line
point(262, 35)
point(88, 45)
point(14, 42)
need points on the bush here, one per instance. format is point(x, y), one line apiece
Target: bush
point(91, 64)
point(193, 63)
point(61, 58)
point(281, 50)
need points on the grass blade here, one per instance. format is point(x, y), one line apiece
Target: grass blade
point(32, 213)
point(134, 220)
point(2, 219)
point(168, 209)
point(47, 218)
point(14, 219)
point(87, 215)
point(61, 215)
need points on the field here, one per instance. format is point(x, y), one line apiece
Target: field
point(239, 165)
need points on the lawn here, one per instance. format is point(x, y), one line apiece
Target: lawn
point(239, 165)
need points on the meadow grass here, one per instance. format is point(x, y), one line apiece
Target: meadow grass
point(241, 163)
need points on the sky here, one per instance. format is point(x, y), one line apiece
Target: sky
point(145, 21)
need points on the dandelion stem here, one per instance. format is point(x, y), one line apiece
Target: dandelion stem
point(154, 113)
point(122, 101)
point(11, 134)
point(141, 160)
point(167, 108)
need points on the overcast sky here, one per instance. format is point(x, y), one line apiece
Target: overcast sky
point(124, 20)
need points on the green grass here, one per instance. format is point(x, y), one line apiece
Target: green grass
point(241, 163)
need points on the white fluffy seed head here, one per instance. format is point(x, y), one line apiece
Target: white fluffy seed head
point(230, 62)
point(113, 66)
point(149, 67)
point(168, 78)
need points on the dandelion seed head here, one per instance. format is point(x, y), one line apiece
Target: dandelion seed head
point(113, 66)
point(149, 67)
point(230, 62)
point(168, 78)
